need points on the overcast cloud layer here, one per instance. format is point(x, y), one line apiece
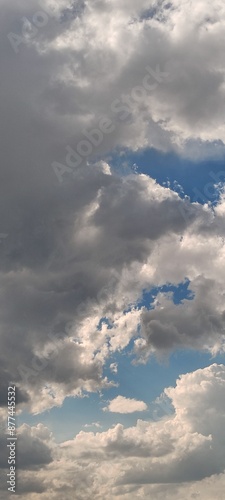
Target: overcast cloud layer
point(81, 242)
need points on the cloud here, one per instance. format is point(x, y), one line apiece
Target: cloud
point(120, 404)
point(33, 451)
point(114, 367)
point(85, 249)
point(122, 236)
point(179, 454)
point(184, 447)
point(94, 424)
point(59, 293)
point(191, 324)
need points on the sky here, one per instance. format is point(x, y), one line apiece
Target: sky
point(112, 248)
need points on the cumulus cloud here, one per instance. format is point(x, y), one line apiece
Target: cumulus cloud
point(33, 451)
point(67, 290)
point(183, 452)
point(120, 404)
point(192, 324)
point(127, 234)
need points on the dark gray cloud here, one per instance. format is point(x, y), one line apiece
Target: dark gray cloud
point(32, 453)
point(20, 395)
point(188, 324)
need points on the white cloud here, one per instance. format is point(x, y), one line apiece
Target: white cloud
point(114, 367)
point(94, 424)
point(120, 404)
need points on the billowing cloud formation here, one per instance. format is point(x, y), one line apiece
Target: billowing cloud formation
point(192, 324)
point(108, 247)
point(120, 404)
point(123, 235)
point(78, 81)
point(89, 60)
point(184, 452)
point(84, 249)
